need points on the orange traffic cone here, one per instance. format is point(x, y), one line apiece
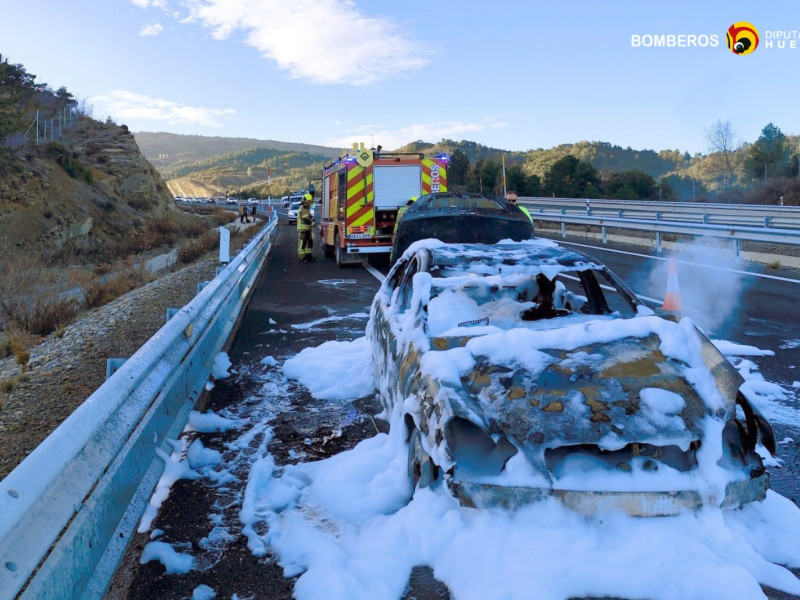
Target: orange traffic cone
point(672, 299)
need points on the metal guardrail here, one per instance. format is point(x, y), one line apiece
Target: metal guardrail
point(734, 231)
point(781, 217)
point(68, 510)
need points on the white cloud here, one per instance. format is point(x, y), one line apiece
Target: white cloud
point(391, 139)
point(124, 105)
point(154, 29)
point(148, 3)
point(322, 41)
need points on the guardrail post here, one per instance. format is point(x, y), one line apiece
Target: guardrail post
point(658, 241)
point(705, 219)
point(171, 312)
point(619, 213)
point(658, 216)
point(113, 365)
point(563, 230)
point(767, 221)
point(201, 285)
point(603, 229)
point(736, 248)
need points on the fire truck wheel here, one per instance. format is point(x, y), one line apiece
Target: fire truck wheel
point(328, 250)
point(337, 251)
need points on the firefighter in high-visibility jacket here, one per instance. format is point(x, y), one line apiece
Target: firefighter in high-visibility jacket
point(400, 212)
point(305, 241)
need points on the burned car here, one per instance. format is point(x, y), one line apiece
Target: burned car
point(465, 218)
point(526, 371)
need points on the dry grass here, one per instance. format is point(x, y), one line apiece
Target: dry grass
point(195, 248)
point(33, 298)
point(39, 295)
point(110, 281)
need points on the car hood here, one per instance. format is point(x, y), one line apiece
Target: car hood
point(607, 395)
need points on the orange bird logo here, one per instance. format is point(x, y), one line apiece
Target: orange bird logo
point(742, 38)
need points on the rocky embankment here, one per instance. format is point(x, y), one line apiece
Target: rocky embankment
point(92, 183)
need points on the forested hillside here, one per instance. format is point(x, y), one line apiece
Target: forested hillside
point(166, 150)
point(759, 171)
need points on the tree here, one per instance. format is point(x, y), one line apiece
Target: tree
point(721, 139)
point(459, 169)
point(572, 178)
point(491, 176)
point(524, 185)
point(770, 155)
point(630, 185)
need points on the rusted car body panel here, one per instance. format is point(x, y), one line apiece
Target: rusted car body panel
point(588, 408)
point(637, 504)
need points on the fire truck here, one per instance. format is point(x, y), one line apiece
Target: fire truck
point(361, 193)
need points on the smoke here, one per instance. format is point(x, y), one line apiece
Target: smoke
point(712, 284)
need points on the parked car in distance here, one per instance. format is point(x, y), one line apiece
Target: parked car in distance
point(231, 201)
point(527, 371)
point(293, 208)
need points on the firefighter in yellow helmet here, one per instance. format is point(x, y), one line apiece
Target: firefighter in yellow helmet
point(305, 241)
point(400, 212)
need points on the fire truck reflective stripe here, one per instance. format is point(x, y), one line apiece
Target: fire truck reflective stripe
point(365, 218)
point(355, 195)
point(359, 187)
point(434, 177)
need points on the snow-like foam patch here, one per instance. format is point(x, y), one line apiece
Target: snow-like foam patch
point(173, 561)
point(334, 370)
point(221, 365)
point(346, 527)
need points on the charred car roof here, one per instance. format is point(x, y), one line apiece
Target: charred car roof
point(465, 218)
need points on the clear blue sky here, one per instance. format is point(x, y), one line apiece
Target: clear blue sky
point(513, 75)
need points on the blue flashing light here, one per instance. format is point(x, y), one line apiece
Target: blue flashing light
point(443, 156)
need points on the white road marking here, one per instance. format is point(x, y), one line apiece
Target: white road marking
point(684, 262)
point(374, 272)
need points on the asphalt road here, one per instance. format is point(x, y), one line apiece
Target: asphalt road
point(202, 518)
point(297, 305)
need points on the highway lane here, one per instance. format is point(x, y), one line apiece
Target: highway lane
point(293, 306)
point(296, 306)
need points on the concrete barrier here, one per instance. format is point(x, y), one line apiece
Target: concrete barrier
point(68, 510)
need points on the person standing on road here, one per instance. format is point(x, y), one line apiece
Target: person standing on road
point(242, 214)
point(512, 197)
point(253, 212)
point(305, 241)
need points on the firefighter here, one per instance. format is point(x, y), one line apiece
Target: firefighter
point(400, 212)
point(512, 197)
point(305, 241)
